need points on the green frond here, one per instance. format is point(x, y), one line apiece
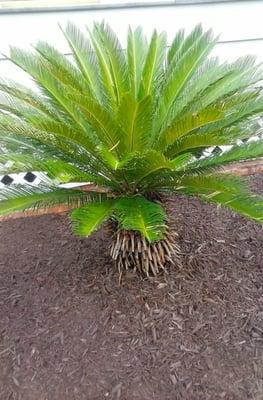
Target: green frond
point(154, 64)
point(236, 153)
point(211, 182)
point(87, 219)
point(112, 49)
point(147, 164)
point(135, 118)
point(138, 214)
point(105, 126)
point(11, 142)
point(197, 141)
point(213, 84)
point(104, 69)
point(60, 170)
point(238, 114)
point(13, 126)
point(60, 146)
point(56, 92)
point(84, 57)
point(83, 138)
point(233, 79)
point(180, 162)
point(186, 124)
point(137, 48)
point(27, 96)
point(176, 46)
point(197, 49)
point(132, 213)
point(230, 192)
point(108, 157)
point(19, 198)
point(225, 136)
point(61, 67)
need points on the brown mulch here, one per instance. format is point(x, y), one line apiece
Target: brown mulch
point(70, 331)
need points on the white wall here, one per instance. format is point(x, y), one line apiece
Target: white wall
point(240, 25)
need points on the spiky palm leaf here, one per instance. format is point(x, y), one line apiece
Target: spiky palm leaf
point(131, 121)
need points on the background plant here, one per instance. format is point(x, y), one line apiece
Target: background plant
point(132, 122)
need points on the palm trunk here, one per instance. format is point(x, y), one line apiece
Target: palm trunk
point(130, 250)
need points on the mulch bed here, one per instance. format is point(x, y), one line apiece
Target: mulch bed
point(70, 331)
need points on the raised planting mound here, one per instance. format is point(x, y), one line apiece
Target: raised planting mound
point(70, 331)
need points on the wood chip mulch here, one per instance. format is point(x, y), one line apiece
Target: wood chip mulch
point(70, 331)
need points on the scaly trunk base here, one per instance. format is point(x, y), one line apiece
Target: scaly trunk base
point(130, 250)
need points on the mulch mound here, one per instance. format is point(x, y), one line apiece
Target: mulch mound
point(70, 331)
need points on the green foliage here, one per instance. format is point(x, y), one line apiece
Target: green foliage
point(131, 121)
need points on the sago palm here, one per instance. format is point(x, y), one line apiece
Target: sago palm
point(131, 121)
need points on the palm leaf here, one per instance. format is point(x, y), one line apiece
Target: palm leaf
point(198, 49)
point(135, 118)
point(61, 67)
point(236, 153)
point(56, 169)
point(27, 96)
point(186, 124)
point(115, 56)
point(154, 64)
point(138, 214)
point(229, 192)
point(226, 136)
point(213, 81)
point(107, 129)
point(106, 79)
point(21, 198)
point(175, 46)
point(137, 48)
point(84, 57)
point(87, 219)
point(53, 88)
point(138, 166)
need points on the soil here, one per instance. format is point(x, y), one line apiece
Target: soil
point(70, 331)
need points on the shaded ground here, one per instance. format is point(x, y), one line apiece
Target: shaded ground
point(68, 331)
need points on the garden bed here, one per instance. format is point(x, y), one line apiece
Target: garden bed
point(70, 331)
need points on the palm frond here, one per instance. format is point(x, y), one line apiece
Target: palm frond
point(138, 214)
point(197, 49)
point(112, 49)
point(60, 170)
point(56, 92)
point(27, 96)
point(225, 136)
point(213, 82)
point(104, 125)
point(176, 46)
point(188, 123)
point(87, 219)
point(245, 151)
point(236, 115)
point(84, 57)
point(137, 48)
point(135, 118)
point(230, 192)
point(106, 80)
point(138, 166)
point(154, 63)
point(61, 146)
point(21, 198)
point(61, 67)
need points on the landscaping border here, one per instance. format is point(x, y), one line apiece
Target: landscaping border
point(244, 168)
